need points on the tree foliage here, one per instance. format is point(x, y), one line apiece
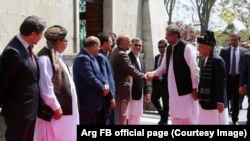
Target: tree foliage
point(188, 33)
point(203, 11)
point(241, 7)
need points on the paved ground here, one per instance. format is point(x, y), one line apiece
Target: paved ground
point(152, 118)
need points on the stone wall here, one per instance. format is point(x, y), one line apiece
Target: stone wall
point(65, 13)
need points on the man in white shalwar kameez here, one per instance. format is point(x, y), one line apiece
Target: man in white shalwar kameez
point(61, 127)
point(183, 105)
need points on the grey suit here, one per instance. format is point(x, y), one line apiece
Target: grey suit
point(124, 72)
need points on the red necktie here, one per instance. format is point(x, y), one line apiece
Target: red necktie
point(159, 64)
point(160, 60)
point(32, 56)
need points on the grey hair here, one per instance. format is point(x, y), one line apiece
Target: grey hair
point(173, 29)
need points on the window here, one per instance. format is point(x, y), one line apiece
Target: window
point(91, 18)
point(82, 10)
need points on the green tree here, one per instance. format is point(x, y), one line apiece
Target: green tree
point(229, 29)
point(241, 7)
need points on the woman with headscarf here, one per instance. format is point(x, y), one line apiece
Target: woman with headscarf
point(212, 83)
point(58, 114)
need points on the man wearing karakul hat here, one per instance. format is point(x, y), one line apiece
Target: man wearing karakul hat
point(58, 112)
point(212, 84)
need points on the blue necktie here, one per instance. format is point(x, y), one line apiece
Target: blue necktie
point(233, 71)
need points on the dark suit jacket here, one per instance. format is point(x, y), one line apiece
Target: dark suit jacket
point(138, 84)
point(19, 90)
point(107, 71)
point(245, 72)
point(124, 72)
point(89, 82)
point(109, 115)
point(164, 76)
point(218, 83)
point(225, 54)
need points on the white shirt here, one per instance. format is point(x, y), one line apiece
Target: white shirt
point(237, 55)
point(181, 106)
point(63, 129)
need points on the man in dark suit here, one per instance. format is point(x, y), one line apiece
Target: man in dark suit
point(91, 85)
point(108, 114)
point(140, 89)
point(19, 91)
point(245, 81)
point(159, 87)
point(124, 72)
point(233, 73)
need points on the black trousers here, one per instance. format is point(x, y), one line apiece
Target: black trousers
point(248, 109)
point(20, 131)
point(233, 96)
point(107, 116)
point(160, 91)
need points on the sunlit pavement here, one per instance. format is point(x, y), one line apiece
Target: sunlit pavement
point(152, 118)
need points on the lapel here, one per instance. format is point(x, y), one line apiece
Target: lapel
point(156, 61)
point(26, 56)
point(141, 62)
point(134, 61)
point(228, 55)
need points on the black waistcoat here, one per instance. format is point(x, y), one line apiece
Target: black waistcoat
point(181, 70)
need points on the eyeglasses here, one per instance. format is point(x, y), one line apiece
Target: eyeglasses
point(137, 45)
point(161, 46)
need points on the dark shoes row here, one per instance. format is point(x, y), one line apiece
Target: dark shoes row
point(235, 123)
point(163, 122)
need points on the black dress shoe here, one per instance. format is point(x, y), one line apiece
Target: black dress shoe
point(235, 123)
point(161, 122)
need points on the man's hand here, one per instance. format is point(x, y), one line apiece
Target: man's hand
point(58, 113)
point(242, 90)
point(149, 76)
point(220, 107)
point(112, 103)
point(106, 89)
point(194, 94)
point(147, 98)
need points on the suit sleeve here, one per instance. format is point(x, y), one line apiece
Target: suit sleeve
point(220, 79)
point(129, 68)
point(103, 67)
point(10, 62)
point(244, 70)
point(45, 83)
point(86, 71)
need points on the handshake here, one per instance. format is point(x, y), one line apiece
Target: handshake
point(149, 76)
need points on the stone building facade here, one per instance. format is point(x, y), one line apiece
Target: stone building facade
point(145, 19)
point(138, 18)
